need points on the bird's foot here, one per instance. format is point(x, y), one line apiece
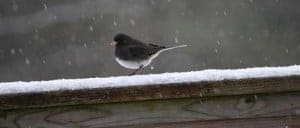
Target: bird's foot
point(136, 71)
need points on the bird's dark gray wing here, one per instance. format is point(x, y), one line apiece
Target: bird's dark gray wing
point(136, 50)
point(132, 52)
point(142, 52)
point(156, 46)
point(139, 52)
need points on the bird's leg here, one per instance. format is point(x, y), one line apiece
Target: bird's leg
point(133, 73)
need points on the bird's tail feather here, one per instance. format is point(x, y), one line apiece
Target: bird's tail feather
point(174, 47)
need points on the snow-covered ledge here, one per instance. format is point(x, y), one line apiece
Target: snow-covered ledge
point(153, 79)
point(210, 82)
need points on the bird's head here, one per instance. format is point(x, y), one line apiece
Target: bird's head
point(120, 39)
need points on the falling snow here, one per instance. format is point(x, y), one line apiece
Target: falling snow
point(20, 50)
point(15, 6)
point(132, 22)
point(115, 23)
point(286, 50)
point(216, 50)
point(241, 61)
point(176, 40)
point(27, 61)
point(12, 51)
point(151, 67)
point(45, 7)
point(69, 62)
point(91, 28)
point(225, 13)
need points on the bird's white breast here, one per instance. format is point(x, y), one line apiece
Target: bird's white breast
point(130, 64)
point(136, 64)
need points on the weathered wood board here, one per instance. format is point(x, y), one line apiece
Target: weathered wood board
point(269, 122)
point(275, 109)
point(261, 102)
point(151, 92)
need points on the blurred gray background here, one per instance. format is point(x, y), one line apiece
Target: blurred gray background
point(52, 39)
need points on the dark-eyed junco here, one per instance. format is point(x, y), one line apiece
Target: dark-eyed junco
point(134, 54)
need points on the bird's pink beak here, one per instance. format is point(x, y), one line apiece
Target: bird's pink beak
point(113, 43)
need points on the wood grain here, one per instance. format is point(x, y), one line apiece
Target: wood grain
point(269, 122)
point(274, 109)
point(151, 92)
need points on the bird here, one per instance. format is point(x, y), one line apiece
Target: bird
point(135, 54)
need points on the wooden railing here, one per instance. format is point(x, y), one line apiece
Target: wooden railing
point(248, 103)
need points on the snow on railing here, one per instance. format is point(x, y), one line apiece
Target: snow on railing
point(152, 79)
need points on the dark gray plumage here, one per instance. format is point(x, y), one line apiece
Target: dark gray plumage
point(134, 54)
